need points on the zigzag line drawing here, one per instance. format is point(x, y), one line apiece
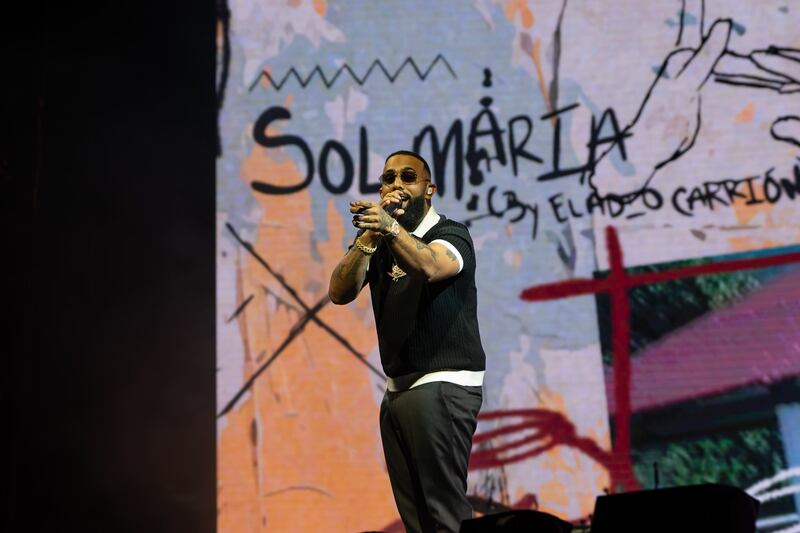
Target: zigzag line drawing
point(346, 68)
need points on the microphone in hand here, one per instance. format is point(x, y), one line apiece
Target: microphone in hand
point(394, 206)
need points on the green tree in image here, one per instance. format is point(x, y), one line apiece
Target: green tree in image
point(739, 458)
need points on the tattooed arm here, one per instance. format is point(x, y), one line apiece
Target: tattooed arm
point(349, 276)
point(431, 262)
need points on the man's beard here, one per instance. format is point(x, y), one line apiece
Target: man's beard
point(413, 214)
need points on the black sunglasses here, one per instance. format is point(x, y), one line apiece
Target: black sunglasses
point(408, 177)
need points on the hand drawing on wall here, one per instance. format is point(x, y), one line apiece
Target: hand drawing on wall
point(772, 68)
point(670, 117)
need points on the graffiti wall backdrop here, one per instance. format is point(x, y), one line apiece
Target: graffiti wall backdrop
point(630, 172)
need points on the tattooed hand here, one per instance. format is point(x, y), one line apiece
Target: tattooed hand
point(371, 216)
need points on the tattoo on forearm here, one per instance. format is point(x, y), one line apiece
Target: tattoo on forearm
point(451, 255)
point(348, 269)
point(421, 245)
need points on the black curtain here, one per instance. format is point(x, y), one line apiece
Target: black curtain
point(107, 174)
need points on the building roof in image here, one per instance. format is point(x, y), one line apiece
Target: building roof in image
point(755, 340)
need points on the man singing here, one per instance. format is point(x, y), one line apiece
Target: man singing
point(420, 267)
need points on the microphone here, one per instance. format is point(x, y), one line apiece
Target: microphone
point(391, 208)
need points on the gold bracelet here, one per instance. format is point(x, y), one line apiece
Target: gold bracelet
point(368, 250)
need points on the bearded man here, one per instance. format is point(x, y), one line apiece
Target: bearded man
point(420, 267)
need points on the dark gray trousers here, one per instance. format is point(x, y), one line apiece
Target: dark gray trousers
point(427, 437)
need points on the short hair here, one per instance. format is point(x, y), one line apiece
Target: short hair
point(412, 154)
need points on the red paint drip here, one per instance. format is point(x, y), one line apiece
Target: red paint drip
point(620, 349)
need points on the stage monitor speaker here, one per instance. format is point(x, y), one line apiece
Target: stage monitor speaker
point(516, 522)
point(696, 508)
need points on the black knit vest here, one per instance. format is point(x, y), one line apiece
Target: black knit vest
point(424, 327)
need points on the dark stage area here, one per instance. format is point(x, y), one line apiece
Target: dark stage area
point(107, 169)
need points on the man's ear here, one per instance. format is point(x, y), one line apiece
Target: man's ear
point(429, 191)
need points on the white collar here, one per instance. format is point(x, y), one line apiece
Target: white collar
point(430, 219)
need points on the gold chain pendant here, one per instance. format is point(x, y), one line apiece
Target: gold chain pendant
point(396, 272)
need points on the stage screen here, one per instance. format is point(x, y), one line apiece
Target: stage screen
point(630, 174)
